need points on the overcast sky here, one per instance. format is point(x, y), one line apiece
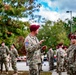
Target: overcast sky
point(55, 9)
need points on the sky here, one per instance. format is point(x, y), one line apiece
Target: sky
point(56, 9)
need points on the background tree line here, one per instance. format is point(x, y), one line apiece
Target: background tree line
point(12, 30)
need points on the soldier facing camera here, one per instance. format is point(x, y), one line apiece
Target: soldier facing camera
point(71, 56)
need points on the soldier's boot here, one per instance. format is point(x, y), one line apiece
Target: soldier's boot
point(6, 72)
point(1, 72)
point(59, 73)
point(15, 74)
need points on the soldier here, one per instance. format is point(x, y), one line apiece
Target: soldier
point(13, 55)
point(32, 46)
point(50, 56)
point(4, 50)
point(65, 58)
point(71, 56)
point(60, 58)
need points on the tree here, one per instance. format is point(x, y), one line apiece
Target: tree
point(11, 28)
point(69, 22)
point(60, 33)
point(74, 24)
point(53, 33)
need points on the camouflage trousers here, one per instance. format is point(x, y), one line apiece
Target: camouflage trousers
point(71, 73)
point(51, 65)
point(34, 69)
point(71, 70)
point(5, 62)
point(60, 65)
point(13, 63)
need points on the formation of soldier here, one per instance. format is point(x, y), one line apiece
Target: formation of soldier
point(66, 57)
point(61, 56)
point(4, 53)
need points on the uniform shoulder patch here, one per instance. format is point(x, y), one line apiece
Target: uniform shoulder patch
point(26, 43)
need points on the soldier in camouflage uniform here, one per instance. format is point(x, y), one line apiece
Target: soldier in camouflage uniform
point(71, 56)
point(4, 50)
point(60, 58)
point(32, 46)
point(14, 55)
point(65, 58)
point(50, 56)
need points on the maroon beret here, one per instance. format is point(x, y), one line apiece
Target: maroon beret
point(65, 47)
point(60, 44)
point(73, 37)
point(34, 27)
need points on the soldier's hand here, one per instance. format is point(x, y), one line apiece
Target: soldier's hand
point(41, 41)
point(44, 47)
point(65, 55)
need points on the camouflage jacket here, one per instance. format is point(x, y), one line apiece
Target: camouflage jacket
point(33, 49)
point(13, 54)
point(60, 55)
point(71, 54)
point(71, 58)
point(50, 55)
point(4, 51)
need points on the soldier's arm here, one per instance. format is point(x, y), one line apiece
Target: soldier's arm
point(16, 53)
point(68, 50)
point(48, 55)
point(8, 52)
point(31, 47)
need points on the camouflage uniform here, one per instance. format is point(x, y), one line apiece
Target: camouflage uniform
point(60, 60)
point(65, 61)
point(71, 53)
point(14, 55)
point(4, 51)
point(33, 54)
point(50, 55)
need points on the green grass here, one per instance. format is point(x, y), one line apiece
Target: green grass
point(25, 73)
point(45, 73)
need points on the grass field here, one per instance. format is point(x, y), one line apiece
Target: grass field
point(26, 73)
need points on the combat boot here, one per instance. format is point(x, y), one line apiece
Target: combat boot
point(6, 72)
point(15, 74)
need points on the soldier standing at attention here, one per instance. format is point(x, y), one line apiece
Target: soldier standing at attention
point(60, 58)
point(33, 49)
point(71, 56)
point(14, 55)
point(5, 51)
point(65, 58)
point(50, 56)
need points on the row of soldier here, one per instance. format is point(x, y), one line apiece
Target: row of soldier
point(59, 55)
point(34, 48)
point(6, 52)
point(66, 57)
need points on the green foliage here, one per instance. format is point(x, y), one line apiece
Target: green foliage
point(69, 23)
point(53, 33)
point(11, 28)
